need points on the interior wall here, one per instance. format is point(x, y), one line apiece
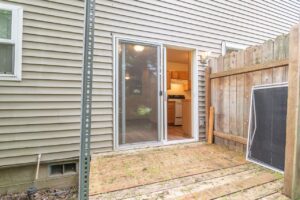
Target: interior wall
point(179, 61)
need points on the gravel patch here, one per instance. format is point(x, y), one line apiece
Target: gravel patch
point(46, 194)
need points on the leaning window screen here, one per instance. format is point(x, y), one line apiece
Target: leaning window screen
point(267, 131)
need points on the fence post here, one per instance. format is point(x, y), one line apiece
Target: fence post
point(292, 152)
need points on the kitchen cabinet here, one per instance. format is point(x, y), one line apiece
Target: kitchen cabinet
point(182, 75)
point(171, 112)
point(178, 75)
point(175, 75)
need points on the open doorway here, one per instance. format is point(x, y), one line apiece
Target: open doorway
point(179, 115)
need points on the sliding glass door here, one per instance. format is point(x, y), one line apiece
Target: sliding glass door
point(138, 92)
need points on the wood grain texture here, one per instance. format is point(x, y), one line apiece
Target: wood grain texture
point(211, 125)
point(251, 68)
point(219, 99)
point(231, 137)
point(226, 106)
point(207, 98)
point(268, 51)
point(240, 82)
point(292, 166)
point(237, 73)
point(233, 100)
point(226, 176)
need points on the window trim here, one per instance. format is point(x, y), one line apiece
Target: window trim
point(229, 45)
point(16, 39)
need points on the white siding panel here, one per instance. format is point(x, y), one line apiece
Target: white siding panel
point(41, 113)
point(201, 24)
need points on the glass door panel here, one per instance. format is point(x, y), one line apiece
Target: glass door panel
point(138, 92)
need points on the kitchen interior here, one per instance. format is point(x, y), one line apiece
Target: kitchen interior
point(179, 94)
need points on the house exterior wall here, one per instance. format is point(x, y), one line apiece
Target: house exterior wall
point(19, 179)
point(41, 113)
point(197, 24)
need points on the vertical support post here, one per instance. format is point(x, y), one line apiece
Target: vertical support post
point(86, 100)
point(207, 99)
point(292, 151)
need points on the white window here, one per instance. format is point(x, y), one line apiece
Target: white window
point(228, 47)
point(11, 28)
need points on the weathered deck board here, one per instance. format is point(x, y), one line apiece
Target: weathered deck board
point(157, 189)
point(260, 191)
point(179, 172)
point(223, 186)
point(127, 171)
point(275, 196)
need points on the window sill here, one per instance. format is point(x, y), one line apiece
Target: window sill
point(10, 78)
point(63, 175)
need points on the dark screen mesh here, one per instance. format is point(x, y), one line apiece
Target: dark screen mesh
point(268, 126)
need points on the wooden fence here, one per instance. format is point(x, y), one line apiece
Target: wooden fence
point(229, 81)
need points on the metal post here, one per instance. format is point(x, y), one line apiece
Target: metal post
point(86, 101)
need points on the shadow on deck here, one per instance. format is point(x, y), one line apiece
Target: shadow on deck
point(193, 171)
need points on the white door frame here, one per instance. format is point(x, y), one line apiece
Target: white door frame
point(194, 95)
point(161, 118)
point(117, 146)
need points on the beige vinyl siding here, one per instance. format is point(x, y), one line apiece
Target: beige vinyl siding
point(41, 113)
point(200, 24)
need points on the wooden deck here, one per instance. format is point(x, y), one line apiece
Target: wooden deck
point(194, 171)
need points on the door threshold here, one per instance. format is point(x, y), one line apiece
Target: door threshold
point(139, 146)
point(154, 144)
point(170, 142)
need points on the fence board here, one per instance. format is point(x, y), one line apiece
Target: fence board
point(278, 74)
point(233, 100)
point(257, 55)
point(232, 81)
point(240, 82)
point(268, 51)
point(226, 105)
point(279, 48)
point(218, 97)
